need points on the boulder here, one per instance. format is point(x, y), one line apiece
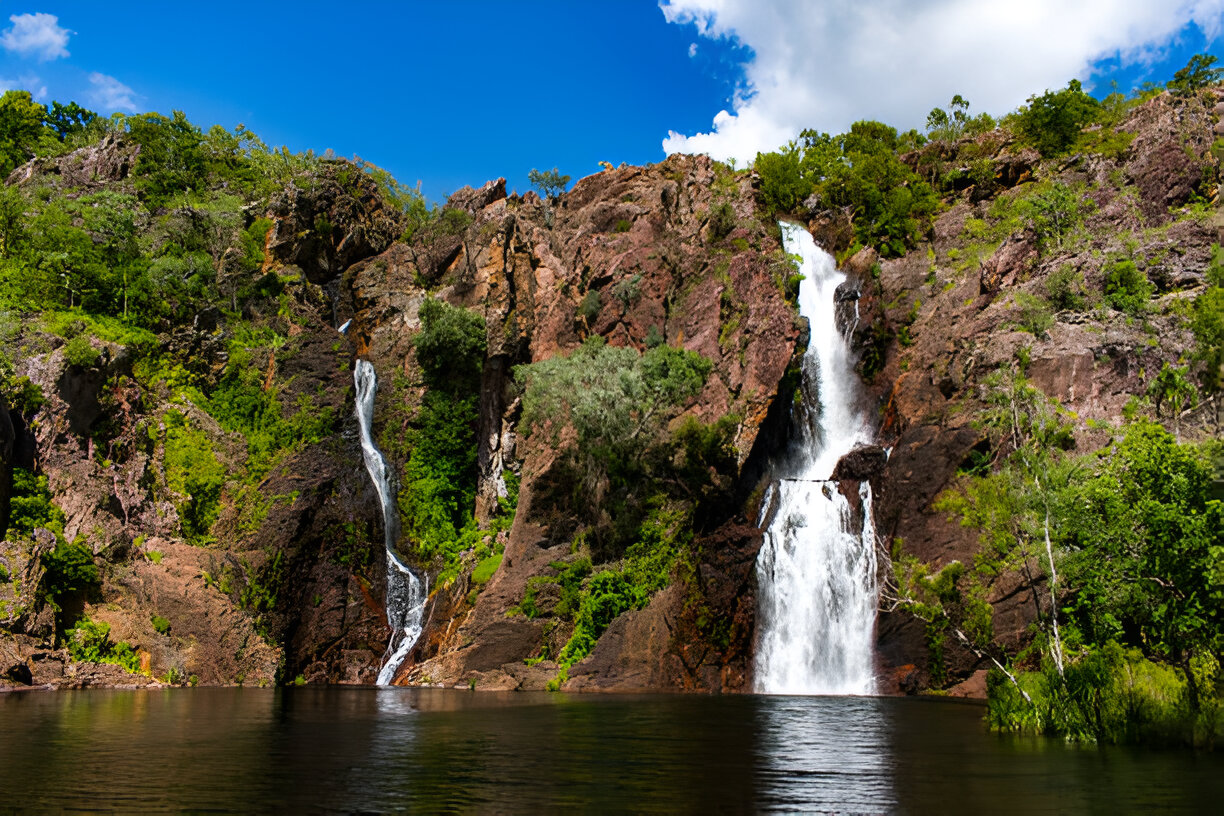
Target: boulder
point(861, 464)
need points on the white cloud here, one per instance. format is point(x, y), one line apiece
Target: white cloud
point(109, 94)
point(693, 50)
point(36, 35)
point(826, 64)
point(25, 82)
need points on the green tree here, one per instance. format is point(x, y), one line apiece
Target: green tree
point(21, 129)
point(71, 119)
point(1199, 72)
point(1172, 387)
point(783, 185)
point(1053, 121)
point(1055, 212)
point(550, 183)
point(1145, 549)
point(1127, 289)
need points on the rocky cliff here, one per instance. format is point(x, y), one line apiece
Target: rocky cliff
point(245, 545)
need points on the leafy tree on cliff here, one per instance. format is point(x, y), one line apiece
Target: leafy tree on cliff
point(618, 402)
point(550, 183)
point(1052, 122)
point(955, 122)
point(22, 128)
point(1199, 72)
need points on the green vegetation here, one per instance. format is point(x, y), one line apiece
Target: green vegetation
point(194, 475)
point(860, 170)
point(30, 506)
point(438, 489)
point(90, 641)
point(618, 402)
point(1054, 212)
point(1052, 122)
point(1207, 323)
point(1127, 289)
point(643, 571)
point(550, 183)
point(1200, 72)
point(1121, 550)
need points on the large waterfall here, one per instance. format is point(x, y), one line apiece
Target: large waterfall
point(817, 568)
point(405, 594)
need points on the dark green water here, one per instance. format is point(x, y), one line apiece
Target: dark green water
point(303, 750)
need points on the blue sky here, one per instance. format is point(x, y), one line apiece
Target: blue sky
point(453, 93)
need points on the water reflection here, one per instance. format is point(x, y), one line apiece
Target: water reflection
point(825, 754)
point(375, 751)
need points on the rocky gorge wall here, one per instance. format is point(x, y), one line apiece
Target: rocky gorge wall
point(289, 583)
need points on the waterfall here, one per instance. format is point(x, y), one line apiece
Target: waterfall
point(405, 593)
point(817, 567)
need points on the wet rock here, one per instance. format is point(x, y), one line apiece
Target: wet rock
point(862, 464)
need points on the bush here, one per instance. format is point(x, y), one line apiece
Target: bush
point(1065, 289)
point(1108, 695)
point(70, 568)
point(160, 624)
point(1053, 121)
point(450, 346)
point(79, 352)
point(1055, 212)
point(1126, 288)
point(31, 507)
point(90, 641)
point(722, 221)
point(1034, 314)
point(195, 475)
point(783, 186)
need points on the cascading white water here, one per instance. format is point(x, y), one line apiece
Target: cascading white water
point(406, 595)
point(817, 567)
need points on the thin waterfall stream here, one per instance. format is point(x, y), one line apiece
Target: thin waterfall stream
point(817, 567)
point(406, 594)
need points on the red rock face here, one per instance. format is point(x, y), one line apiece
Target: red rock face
point(965, 325)
point(628, 255)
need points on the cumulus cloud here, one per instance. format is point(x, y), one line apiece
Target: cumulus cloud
point(826, 64)
point(109, 94)
point(25, 82)
point(693, 49)
point(36, 35)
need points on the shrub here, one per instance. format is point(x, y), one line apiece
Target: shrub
point(589, 308)
point(1053, 121)
point(31, 507)
point(1126, 288)
point(90, 641)
point(70, 568)
point(194, 474)
point(79, 352)
point(160, 624)
point(550, 183)
point(783, 186)
point(451, 345)
point(1034, 314)
point(722, 221)
point(1055, 212)
point(1065, 289)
